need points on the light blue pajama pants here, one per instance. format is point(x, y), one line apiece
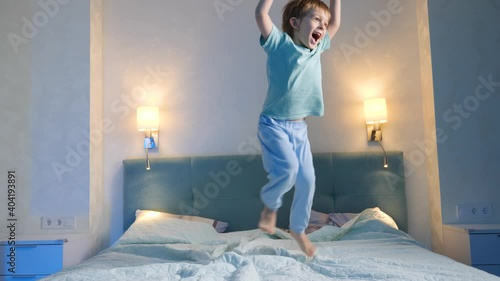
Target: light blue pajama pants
point(287, 158)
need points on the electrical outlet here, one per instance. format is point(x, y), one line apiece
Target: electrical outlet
point(58, 222)
point(486, 211)
point(479, 210)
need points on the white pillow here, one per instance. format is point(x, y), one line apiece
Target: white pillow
point(372, 213)
point(163, 228)
point(219, 226)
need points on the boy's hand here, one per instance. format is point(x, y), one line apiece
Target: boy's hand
point(334, 23)
point(263, 19)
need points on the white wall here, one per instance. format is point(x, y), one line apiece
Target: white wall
point(15, 110)
point(430, 143)
point(45, 105)
point(465, 42)
point(96, 204)
point(206, 71)
point(60, 111)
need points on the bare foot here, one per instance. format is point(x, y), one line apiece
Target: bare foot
point(305, 244)
point(267, 221)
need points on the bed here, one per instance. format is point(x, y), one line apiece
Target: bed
point(194, 218)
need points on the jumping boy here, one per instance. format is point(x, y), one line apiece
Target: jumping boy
point(294, 92)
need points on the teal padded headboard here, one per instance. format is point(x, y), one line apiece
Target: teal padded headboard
point(227, 187)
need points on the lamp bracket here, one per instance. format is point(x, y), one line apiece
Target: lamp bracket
point(151, 139)
point(374, 132)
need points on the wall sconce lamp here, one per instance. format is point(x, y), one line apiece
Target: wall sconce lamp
point(375, 115)
point(148, 121)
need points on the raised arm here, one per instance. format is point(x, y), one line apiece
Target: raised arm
point(262, 17)
point(334, 23)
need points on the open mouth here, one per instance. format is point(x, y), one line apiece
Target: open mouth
point(316, 36)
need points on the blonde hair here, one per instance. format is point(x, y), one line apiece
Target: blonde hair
point(298, 9)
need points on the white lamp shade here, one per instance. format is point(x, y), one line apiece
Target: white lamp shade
point(375, 111)
point(148, 118)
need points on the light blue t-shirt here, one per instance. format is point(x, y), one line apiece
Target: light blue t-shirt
point(294, 75)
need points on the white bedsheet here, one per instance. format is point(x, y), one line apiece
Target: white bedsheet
point(365, 249)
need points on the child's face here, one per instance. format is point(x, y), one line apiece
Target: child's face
point(311, 29)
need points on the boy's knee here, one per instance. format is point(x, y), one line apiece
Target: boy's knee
point(291, 168)
point(287, 172)
point(306, 180)
point(310, 179)
point(308, 173)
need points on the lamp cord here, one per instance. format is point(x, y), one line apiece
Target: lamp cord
point(148, 167)
point(386, 162)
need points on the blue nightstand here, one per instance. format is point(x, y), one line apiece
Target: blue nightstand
point(477, 245)
point(30, 259)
